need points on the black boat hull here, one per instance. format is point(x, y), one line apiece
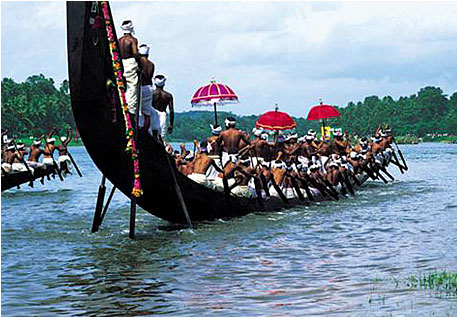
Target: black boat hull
point(15, 179)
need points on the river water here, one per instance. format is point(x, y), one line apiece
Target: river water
point(346, 258)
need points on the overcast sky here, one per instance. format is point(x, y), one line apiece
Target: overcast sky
point(290, 53)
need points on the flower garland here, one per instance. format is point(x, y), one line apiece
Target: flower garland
point(115, 56)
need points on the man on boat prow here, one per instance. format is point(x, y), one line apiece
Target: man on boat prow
point(161, 100)
point(129, 54)
point(146, 100)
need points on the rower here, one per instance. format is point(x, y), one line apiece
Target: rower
point(161, 101)
point(35, 152)
point(64, 159)
point(201, 163)
point(291, 147)
point(213, 146)
point(229, 140)
point(338, 145)
point(261, 148)
point(129, 54)
point(146, 100)
point(246, 182)
point(18, 158)
point(8, 157)
point(48, 151)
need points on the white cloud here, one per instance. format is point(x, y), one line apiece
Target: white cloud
point(291, 53)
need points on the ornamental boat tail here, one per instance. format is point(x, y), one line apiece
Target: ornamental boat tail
point(143, 172)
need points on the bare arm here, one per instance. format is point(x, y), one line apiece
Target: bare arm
point(171, 111)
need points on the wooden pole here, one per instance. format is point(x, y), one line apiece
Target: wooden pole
point(178, 192)
point(98, 207)
point(105, 209)
point(216, 114)
point(133, 207)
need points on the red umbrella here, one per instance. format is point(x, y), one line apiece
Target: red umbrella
point(322, 112)
point(275, 120)
point(213, 94)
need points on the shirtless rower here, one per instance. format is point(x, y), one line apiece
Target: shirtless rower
point(146, 99)
point(291, 147)
point(8, 158)
point(338, 145)
point(64, 159)
point(161, 101)
point(213, 146)
point(229, 140)
point(129, 54)
point(18, 158)
point(201, 164)
point(35, 152)
point(243, 173)
point(261, 148)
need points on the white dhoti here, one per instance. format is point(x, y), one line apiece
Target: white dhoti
point(243, 191)
point(218, 182)
point(256, 161)
point(130, 73)
point(146, 106)
point(217, 160)
point(48, 161)
point(225, 157)
point(158, 121)
point(201, 179)
point(18, 166)
point(303, 160)
point(6, 167)
point(34, 164)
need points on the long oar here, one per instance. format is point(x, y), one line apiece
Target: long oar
point(400, 154)
point(71, 157)
point(264, 184)
point(397, 163)
point(348, 183)
point(279, 191)
point(296, 188)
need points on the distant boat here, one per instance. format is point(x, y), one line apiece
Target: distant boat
point(90, 66)
point(15, 179)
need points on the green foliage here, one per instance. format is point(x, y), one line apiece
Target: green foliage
point(429, 111)
point(440, 281)
point(36, 105)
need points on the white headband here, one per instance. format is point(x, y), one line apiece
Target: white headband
point(229, 122)
point(216, 130)
point(37, 142)
point(159, 81)
point(50, 140)
point(257, 132)
point(63, 138)
point(128, 27)
point(143, 50)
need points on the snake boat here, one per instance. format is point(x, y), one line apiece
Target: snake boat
point(98, 113)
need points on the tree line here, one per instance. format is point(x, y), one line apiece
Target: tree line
point(35, 106)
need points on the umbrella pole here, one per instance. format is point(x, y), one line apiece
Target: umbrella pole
point(324, 130)
point(216, 116)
